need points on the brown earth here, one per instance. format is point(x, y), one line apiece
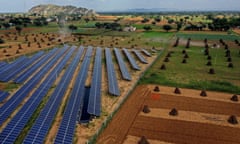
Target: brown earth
point(200, 119)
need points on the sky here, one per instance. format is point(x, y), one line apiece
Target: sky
point(112, 5)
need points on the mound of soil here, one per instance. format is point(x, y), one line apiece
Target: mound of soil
point(146, 109)
point(156, 89)
point(211, 71)
point(203, 93)
point(173, 112)
point(209, 57)
point(186, 56)
point(143, 140)
point(163, 67)
point(233, 119)
point(184, 61)
point(234, 98)
point(166, 59)
point(230, 65)
point(209, 63)
point(177, 91)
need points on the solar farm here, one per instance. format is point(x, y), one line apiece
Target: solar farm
point(64, 87)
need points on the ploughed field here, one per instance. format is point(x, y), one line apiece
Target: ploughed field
point(160, 114)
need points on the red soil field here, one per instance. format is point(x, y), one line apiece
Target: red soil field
point(200, 119)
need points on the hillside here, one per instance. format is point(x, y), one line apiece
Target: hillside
point(55, 9)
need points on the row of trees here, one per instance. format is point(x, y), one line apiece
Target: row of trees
point(24, 22)
point(113, 26)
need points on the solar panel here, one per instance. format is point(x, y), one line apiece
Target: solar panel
point(11, 73)
point(140, 57)
point(17, 98)
point(67, 127)
point(3, 95)
point(124, 71)
point(131, 60)
point(112, 79)
point(15, 126)
point(94, 104)
point(41, 126)
point(146, 53)
point(24, 76)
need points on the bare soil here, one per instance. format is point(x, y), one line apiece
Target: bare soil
point(200, 119)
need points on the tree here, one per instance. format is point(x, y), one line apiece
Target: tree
point(6, 25)
point(145, 20)
point(147, 28)
point(98, 25)
point(167, 27)
point(86, 20)
point(179, 26)
point(18, 29)
point(157, 19)
point(72, 27)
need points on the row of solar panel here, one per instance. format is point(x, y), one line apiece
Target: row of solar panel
point(123, 68)
point(67, 127)
point(94, 104)
point(75, 103)
point(17, 123)
point(3, 95)
point(131, 60)
point(140, 57)
point(17, 62)
point(111, 74)
point(13, 71)
point(18, 97)
point(41, 126)
point(24, 76)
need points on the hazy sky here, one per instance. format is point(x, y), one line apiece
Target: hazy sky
point(108, 5)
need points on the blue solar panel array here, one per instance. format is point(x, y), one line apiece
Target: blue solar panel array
point(2, 64)
point(94, 103)
point(16, 125)
point(111, 74)
point(74, 105)
point(24, 76)
point(10, 74)
point(82, 101)
point(140, 57)
point(3, 95)
point(14, 65)
point(41, 126)
point(146, 53)
point(131, 60)
point(17, 98)
point(123, 68)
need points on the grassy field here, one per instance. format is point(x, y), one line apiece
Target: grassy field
point(208, 35)
point(194, 74)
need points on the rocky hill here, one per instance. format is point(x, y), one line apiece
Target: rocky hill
point(49, 10)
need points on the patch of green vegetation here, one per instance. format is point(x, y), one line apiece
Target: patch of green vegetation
point(3, 47)
point(202, 36)
point(31, 121)
point(11, 86)
point(155, 34)
point(194, 74)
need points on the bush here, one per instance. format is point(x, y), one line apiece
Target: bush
point(1, 41)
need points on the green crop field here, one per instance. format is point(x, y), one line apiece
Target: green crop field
point(195, 73)
point(208, 35)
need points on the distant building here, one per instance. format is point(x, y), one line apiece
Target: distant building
point(129, 29)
